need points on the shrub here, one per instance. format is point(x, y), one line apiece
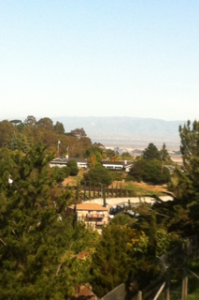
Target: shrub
point(98, 174)
point(61, 173)
point(118, 176)
point(137, 169)
point(150, 171)
point(155, 173)
point(72, 164)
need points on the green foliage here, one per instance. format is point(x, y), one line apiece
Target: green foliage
point(118, 176)
point(98, 174)
point(46, 123)
point(6, 131)
point(72, 165)
point(151, 152)
point(94, 153)
point(25, 135)
point(151, 171)
point(121, 252)
point(61, 173)
point(14, 142)
point(37, 243)
point(152, 244)
point(59, 128)
point(126, 155)
point(186, 187)
point(164, 154)
point(91, 160)
point(137, 170)
point(155, 173)
point(111, 261)
point(122, 219)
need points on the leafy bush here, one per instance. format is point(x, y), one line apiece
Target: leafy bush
point(118, 176)
point(129, 178)
point(137, 170)
point(150, 171)
point(155, 173)
point(61, 173)
point(72, 164)
point(98, 174)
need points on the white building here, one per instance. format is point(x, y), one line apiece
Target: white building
point(82, 163)
point(62, 162)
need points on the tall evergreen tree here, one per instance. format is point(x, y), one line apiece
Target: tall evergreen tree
point(151, 152)
point(164, 154)
point(187, 187)
point(35, 237)
point(59, 128)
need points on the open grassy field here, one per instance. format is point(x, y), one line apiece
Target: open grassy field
point(139, 188)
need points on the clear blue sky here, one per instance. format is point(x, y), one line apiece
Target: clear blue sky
point(99, 58)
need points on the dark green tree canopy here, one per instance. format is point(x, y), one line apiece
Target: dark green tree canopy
point(151, 171)
point(72, 165)
point(46, 123)
point(137, 169)
point(37, 242)
point(59, 128)
point(187, 186)
point(164, 154)
point(6, 131)
point(155, 172)
point(98, 174)
point(151, 152)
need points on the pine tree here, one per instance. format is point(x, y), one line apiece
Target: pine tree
point(35, 237)
point(164, 154)
point(151, 152)
point(187, 187)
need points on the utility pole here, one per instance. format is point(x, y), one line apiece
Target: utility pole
point(104, 195)
point(58, 147)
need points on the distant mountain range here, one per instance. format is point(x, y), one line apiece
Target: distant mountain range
point(126, 131)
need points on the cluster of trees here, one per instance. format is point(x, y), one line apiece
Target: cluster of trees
point(150, 166)
point(39, 245)
point(130, 246)
point(97, 152)
point(70, 170)
point(18, 135)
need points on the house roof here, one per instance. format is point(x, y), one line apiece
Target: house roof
point(90, 206)
point(77, 159)
point(121, 162)
point(63, 160)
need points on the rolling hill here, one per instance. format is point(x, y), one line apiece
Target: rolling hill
point(127, 131)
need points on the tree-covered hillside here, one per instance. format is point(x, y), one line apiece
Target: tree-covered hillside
point(24, 135)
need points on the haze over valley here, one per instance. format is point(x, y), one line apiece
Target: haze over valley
point(126, 131)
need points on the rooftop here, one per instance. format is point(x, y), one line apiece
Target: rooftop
point(65, 160)
point(90, 206)
point(121, 162)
